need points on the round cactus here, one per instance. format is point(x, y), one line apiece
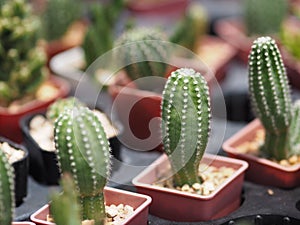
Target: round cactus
point(186, 118)
point(83, 151)
point(7, 196)
point(270, 95)
point(145, 47)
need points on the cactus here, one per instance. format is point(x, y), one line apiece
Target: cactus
point(191, 27)
point(83, 151)
point(7, 196)
point(100, 35)
point(295, 129)
point(264, 17)
point(270, 96)
point(65, 207)
point(22, 63)
point(145, 47)
point(58, 16)
point(60, 105)
point(186, 118)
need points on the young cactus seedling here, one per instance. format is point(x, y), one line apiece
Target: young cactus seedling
point(270, 96)
point(7, 202)
point(83, 151)
point(186, 118)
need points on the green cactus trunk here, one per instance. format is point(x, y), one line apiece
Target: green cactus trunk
point(295, 130)
point(83, 150)
point(7, 197)
point(185, 123)
point(270, 96)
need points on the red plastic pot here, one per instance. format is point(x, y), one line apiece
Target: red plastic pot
point(139, 202)
point(261, 171)
point(9, 121)
point(181, 206)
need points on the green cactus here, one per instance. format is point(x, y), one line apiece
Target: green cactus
point(264, 17)
point(60, 105)
point(83, 150)
point(295, 129)
point(270, 96)
point(22, 63)
point(186, 118)
point(191, 27)
point(145, 46)
point(7, 196)
point(65, 207)
point(100, 35)
point(58, 16)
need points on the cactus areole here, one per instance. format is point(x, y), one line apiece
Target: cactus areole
point(270, 96)
point(83, 151)
point(186, 118)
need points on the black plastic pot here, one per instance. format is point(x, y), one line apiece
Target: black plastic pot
point(21, 172)
point(43, 164)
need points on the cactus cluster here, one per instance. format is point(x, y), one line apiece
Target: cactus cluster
point(145, 47)
point(7, 196)
point(264, 17)
point(191, 27)
point(270, 97)
point(58, 16)
point(186, 118)
point(83, 151)
point(22, 62)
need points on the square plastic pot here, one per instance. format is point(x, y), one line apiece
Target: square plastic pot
point(139, 202)
point(11, 120)
point(261, 170)
point(176, 205)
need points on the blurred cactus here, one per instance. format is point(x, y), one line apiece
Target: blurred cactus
point(65, 207)
point(145, 47)
point(83, 151)
point(22, 63)
point(100, 35)
point(58, 16)
point(186, 118)
point(264, 17)
point(270, 96)
point(60, 105)
point(7, 196)
point(295, 129)
point(191, 27)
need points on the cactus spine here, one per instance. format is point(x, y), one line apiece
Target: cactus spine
point(83, 150)
point(264, 17)
point(270, 95)
point(186, 118)
point(7, 196)
point(145, 47)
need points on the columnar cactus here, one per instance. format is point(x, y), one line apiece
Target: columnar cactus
point(144, 46)
point(295, 129)
point(264, 17)
point(191, 27)
point(7, 196)
point(186, 118)
point(270, 96)
point(83, 151)
point(22, 63)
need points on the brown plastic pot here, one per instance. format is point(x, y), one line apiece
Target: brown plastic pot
point(139, 202)
point(182, 206)
point(9, 121)
point(261, 170)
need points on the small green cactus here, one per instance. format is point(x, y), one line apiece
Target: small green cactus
point(60, 105)
point(58, 16)
point(144, 46)
point(22, 63)
point(186, 118)
point(83, 151)
point(191, 27)
point(7, 196)
point(295, 129)
point(65, 207)
point(270, 96)
point(264, 17)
